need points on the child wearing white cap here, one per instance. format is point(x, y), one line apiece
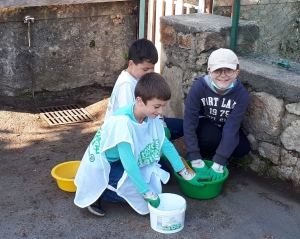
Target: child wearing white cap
point(214, 111)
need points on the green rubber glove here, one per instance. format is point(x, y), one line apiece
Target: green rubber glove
point(216, 172)
point(191, 178)
point(203, 176)
point(152, 198)
point(194, 182)
point(199, 166)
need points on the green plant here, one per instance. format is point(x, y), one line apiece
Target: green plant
point(243, 162)
point(43, 90)
point(106, 32)
point(92, 43)
point(265, 170)
point(125, 55)
point(29, 94)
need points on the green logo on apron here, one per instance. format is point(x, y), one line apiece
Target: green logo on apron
point(96, 141)
point(149, 154)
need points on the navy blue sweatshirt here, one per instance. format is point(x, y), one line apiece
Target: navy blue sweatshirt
point(224, 110)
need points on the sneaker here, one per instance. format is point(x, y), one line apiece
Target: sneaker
point(97, 210)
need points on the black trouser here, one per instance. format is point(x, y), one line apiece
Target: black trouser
point(209, 138)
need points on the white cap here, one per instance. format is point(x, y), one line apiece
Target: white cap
point(222, 58)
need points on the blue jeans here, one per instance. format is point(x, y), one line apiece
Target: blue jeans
point(115, 174)
point(175, 126)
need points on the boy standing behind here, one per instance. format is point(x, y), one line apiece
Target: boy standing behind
point(142, 56)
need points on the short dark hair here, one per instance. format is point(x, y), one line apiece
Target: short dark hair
point(152, 85)
point(143, 50)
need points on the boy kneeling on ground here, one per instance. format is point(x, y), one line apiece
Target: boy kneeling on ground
point(120, 164)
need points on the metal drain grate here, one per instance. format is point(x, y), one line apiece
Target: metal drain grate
point(65, 114)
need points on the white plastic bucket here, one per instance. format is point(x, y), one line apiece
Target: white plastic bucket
point(168, 217)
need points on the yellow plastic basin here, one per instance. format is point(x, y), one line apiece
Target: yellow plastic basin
point(64, 174)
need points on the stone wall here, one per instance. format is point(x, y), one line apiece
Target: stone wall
point(273, 116)
point(71, 45)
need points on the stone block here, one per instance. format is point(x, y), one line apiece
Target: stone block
point(184, 41)
point(287, 158)
point(256, 164)
point(168, 35)
point(288, 119)
point(263, 116)
point(298, 164)
point(209, 41)
point(291, 135)
point(296, 177)
point(293, 108)
point(266, 77)
point(270, 152)
point(284, 172)
point(202, 60)
point(253, 142)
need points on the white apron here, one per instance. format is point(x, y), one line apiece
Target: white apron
point(146, 140)
point(122, 94)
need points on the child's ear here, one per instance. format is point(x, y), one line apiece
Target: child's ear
point(237, 72)
point(130, 63)
point(139, 100)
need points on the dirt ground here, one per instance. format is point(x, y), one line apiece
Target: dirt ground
point(30, 148)
point(32, 206)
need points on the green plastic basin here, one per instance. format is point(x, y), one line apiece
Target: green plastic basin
point(210, 190)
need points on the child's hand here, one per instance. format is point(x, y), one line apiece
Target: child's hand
point(193, 178)
point(199, 166)
point(216, 172)
point(152, 198)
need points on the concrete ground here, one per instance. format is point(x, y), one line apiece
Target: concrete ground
point(32, 206)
